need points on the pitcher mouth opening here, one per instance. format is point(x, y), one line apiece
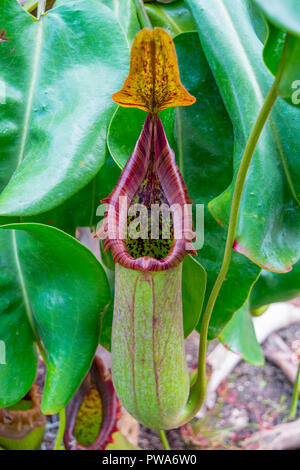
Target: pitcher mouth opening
point(152, 187)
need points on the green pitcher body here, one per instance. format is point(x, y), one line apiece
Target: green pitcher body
point(148, 360)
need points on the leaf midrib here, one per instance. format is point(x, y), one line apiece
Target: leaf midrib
point(35, 67)
point(26, 302)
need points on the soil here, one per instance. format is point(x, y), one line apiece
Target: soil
point(252, 398)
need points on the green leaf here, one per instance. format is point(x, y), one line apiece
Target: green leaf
point(284, 49)
point(202, 140)
point(283, 46)
point(174, 18)
point(289, 84)
point(59, 74)
point(273, 48)
point(106, 327)
point(81, 209)
point(53, 291)
point(239, 336)
point(17, 375)
point(270, 205)
point(285, 14)
point(274, 287)
point(193, 293)
point(107, 317)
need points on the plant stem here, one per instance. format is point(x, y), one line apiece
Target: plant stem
point(295, 397)
point(61, 429)
point(164, 440)
point(142, 14)
point(198, 389)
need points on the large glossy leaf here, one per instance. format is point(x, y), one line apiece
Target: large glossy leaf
point(274, 287)
point(202, 139)
point(59, 74)
point(285, 14)
point(270, 202)
point(80, 210)
point(54, 289)
point(239, 336)
point(174, 18)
